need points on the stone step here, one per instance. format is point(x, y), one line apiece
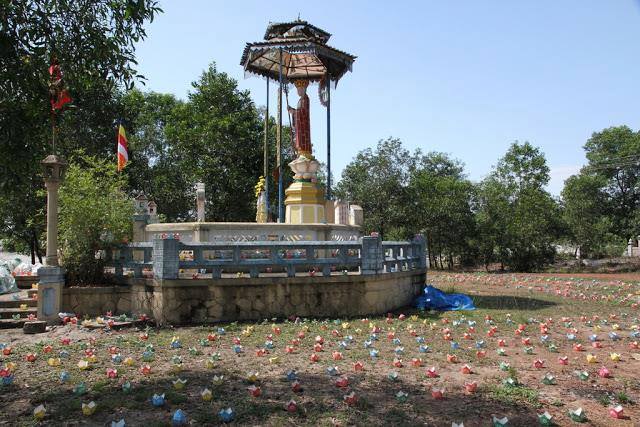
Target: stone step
point(6, 313)
point(18, 303)
point(12, 324)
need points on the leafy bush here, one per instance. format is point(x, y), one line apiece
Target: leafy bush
point(95, 214)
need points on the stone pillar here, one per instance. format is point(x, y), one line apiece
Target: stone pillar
point(166, 261)
point(419, 246)
point(200, 200)
point(356, 216)
point(50, 289)
point(53, 168)
point(51, 276)
point(372, 255)
point(630, 247)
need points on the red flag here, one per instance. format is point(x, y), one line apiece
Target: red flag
point(123, 154)
point(57, 92)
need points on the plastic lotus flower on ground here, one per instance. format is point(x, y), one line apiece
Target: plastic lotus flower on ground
point(437, 393)
point(254, 391)
point(179, 418)
point(393, 376)
point(471, 387)
point(350, 399)
point(80, 389)
point(548, 379)
point(157, 400)
point(545, 419)
point(401, 396)
point(31, 357)
point(39, 412)
point(603, 372)
point(500, 422)
point(53, 361)
point(112, 373)
point(342, 382)
point(179, 383)
point(291, 406)
point(218, 380)
point(616, 412)
point(432, 372)
point(64, 376)
point(89, 408)
point(226, 415)
point(206, 395)
point(252, 377)
point(126, 387)
point(578, 415)
point(466, 370)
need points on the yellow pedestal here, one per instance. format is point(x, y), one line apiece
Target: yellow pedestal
point(304, 204)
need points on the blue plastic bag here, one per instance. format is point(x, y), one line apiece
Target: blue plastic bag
point(434, 299)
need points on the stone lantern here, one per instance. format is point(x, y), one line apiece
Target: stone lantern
point(51, 275)
point(53, 168)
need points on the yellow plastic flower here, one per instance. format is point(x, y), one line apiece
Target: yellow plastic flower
point(206, 395)
point(89, 408)
point(53, 361)
point(179, 384)
point(614, 357)
point(39, 412)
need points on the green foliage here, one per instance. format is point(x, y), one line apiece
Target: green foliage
point(585, 213)
point(518, 221)
point(440, 206)
point(377, 181)
point(601, 202)
point(614, 161)
point(518, 395)
point(94, 43)
point(214, 137)
point(95, 213)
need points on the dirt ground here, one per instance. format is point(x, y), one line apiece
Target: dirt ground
point(535, 319)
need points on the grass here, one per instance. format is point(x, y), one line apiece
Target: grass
point(517, 395)
point(503, 301)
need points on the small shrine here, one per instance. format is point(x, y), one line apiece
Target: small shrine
point(296, 53)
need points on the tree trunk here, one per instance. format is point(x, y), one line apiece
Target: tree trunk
point(36, 246)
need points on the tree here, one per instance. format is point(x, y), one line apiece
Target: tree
point(518, 220)
point(378, 181)
point(94, 42)
point(614, 160)
point(585, 207)
point(95, 214)
point(440, 199)
point(214, 137)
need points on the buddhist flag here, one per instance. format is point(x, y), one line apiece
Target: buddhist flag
point(123, 154)
point(57, 91)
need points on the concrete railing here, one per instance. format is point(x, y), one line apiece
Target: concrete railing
point(168, 257)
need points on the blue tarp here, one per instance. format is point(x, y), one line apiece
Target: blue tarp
point(435, 299)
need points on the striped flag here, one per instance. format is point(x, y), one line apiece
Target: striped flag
point(123, 154)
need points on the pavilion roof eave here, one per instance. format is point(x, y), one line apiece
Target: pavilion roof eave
point(337, 61)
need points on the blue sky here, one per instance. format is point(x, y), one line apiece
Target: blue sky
point(464, 77)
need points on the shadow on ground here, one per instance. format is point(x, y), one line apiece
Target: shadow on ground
point(510, 302)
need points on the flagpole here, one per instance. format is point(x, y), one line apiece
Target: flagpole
point(328, 136)
point(280, 183)
point(266, 154)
